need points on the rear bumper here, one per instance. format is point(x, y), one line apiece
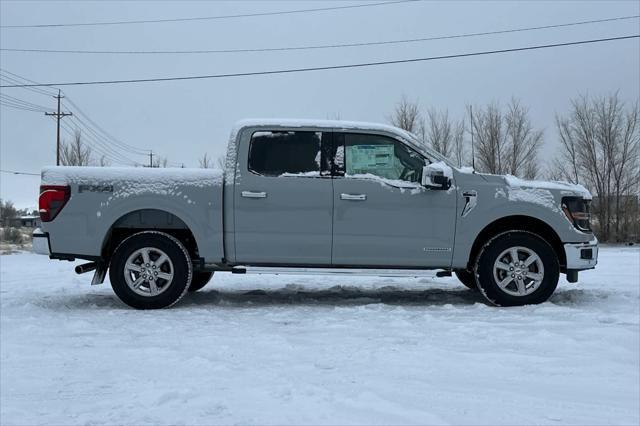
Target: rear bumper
point(41, 242)
point(582, 255)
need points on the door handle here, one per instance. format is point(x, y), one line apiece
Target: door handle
point(252, 194)
point(353, 197)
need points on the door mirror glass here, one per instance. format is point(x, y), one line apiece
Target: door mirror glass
point(434, 177)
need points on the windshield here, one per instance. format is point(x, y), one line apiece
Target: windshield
point(430, 152)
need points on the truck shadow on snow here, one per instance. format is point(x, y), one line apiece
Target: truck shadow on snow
point(293, 295)
point(338, 295)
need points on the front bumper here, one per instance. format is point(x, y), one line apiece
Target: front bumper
point(582, 255)
point(41, 242)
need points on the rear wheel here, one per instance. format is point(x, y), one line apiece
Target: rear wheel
point(517, 268)
point(467, 278)
point(199, 280)
point(150, 270)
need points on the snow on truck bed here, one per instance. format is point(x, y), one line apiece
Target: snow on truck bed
point(195, 177)
point(273, 349)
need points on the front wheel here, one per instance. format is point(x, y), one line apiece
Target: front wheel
point(150, 270)
point(517, 268)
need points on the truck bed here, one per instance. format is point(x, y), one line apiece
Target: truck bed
point(103, 199)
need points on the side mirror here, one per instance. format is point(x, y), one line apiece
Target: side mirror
point(434, 178)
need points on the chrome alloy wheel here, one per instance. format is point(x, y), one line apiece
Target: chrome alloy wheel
point(148, 271)
point(518, 271)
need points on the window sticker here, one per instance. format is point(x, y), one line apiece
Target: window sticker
point(376, 159)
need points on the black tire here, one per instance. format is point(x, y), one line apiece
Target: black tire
point(170, 291)
point(546, 265)
point(199, 280)
point(467, 278)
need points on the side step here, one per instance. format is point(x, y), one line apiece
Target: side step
point(339, 271)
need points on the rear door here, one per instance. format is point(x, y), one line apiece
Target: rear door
point(283, 199)
point(383, 216)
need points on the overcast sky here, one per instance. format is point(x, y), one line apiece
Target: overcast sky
point(183, 120)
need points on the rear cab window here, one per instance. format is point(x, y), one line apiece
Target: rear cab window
point(289, 153)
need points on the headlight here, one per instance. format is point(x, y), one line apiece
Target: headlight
point(577, 211)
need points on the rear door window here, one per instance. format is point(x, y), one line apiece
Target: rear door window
point(288, 153)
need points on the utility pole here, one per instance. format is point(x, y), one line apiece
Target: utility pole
point(473, 154)
point(58, 115)
point(151, 158)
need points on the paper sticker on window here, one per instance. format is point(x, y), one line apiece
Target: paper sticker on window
point(367, 158)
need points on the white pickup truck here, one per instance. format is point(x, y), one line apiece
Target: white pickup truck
point(315, 196)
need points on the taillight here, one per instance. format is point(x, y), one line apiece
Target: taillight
point(52, 200)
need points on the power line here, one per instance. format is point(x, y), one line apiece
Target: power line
point(107, 139)
point(96, 145)
point(102, 142)
point(16, 79)
point(19, 173)
point(124, 146)
point(208, 18)
point(321, 46)
point(329, 67)
point(22, 102)
point(10, 104)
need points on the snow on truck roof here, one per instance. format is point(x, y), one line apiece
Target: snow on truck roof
point(324, 124)
point(335, 125)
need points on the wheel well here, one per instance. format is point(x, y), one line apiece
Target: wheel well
point(519, 223)
point(149, 219)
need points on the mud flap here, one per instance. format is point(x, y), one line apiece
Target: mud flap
point(101, 272)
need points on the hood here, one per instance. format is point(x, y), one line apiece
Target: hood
point(512, 182)
point(564, 188)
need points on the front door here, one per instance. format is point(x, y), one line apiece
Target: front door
point(283, 198)
point(382, 215)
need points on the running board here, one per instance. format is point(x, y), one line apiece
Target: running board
point(334, 271)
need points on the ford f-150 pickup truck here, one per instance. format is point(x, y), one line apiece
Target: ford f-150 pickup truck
point(315, 197)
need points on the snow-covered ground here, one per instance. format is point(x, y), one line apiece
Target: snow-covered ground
point(318, 350)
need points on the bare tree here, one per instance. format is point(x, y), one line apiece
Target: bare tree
point(221, 161)
point(489, 138)
point(506, 142)
point(439, 131)
point(523, 142)
point(206, 162)
point(406, 115)
point(459, 148)
point(160, 162)
point(599, 147)
point(75, 152)
point(104, 161)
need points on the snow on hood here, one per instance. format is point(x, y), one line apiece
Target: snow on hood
point(563, 187)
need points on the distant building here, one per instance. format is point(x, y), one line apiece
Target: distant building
point(24, 222)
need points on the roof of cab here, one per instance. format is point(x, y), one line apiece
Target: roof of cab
point(324, 124)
